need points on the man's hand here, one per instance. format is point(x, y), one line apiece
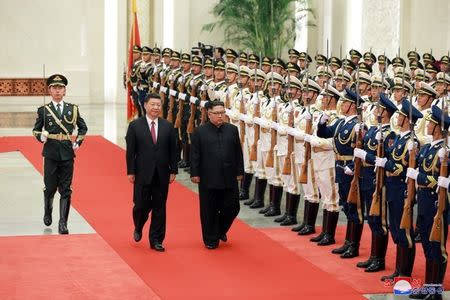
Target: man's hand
point(195, 179)
point(240, 177)
point(131, 178)
point(172, 178)
point(44, 136)
point(75, 146)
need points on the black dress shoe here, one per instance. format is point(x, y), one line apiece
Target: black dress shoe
point(62, 228)
point(157, 247)
point(243, 194)
point(377, 264)
point(48, 220)
point(327, 239)
point(352, 251)
point(298, 227)
point(318, 238)
point(307, 229)
point(224, 237)
point(390, 277)
point(290, 220)
point(366, 263)
point(137, 235)
point(211, 246)
point(257, 204)
point(272, 212)
point(418, 238)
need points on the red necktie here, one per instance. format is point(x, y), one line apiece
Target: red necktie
point(153, 132)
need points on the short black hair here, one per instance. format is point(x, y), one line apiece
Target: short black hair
point(211, 104)
point(152, 96)
point(221, 51)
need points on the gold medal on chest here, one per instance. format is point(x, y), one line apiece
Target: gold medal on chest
point(50, 123)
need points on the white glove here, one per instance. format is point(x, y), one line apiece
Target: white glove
point(274, 125)
point(443, 182)
point(307, 138)
point(192, 83)
point(173, 93)
point(412, 173)
point(360, 153)
point(170, 77)
point(161, 74)
point(348, 171)
point(193, 100)
point(257, 120)
point(44, 136)
point(380, 161)
point(211, 94)
point(180, 80)
point(212, 86)
point(266, 123)
point(323, 118)
point(314, 141)
point(228, 112)
point(155, 84)
point(202, 103)
point(203, 87)
point(282, 130)
point(378, 136)
point(75, 146)
point(410, 145)
point(182, 96)
point(163, 89)
point(357, 127)
point(135, 88)
point(441, 153)
point(307, 115)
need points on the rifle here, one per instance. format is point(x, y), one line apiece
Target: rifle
point(257, 114)
point(241, 108)
point(354, 196)
point(171, 101)
point(303, 178)
point(182, 88)
point(406, 222)
point(436, 234)
point(191, 122)
point(379, 173)
point(287, 170)
point(273, 132)
point(227, 94)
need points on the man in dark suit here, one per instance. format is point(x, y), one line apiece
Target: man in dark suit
point(54, 125)
point(216, 166)
point(151, 166)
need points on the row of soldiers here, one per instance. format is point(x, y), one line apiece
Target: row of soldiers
point(368, 143)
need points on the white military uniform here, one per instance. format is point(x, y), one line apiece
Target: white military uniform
point(274, 173)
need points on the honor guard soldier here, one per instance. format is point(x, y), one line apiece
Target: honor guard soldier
point(195, 93)
point(253, 61)
point(334, 63)
point(207, 81)
point(395, 164)
point(323, 156)
point(243, 59)
point(349, 66)
point(304, 62)
point(400, 90)
point(383, 64)
point(217, 89)
point(413, 56)
point(370, 58)
point(431, 207)
point(432, 70)
point(164, 80)
point(445, 64)
point(441, 86)
point(255, 165)
point(231, 55)
point(376, 211)
point(144, 74)
point(294, 56)
point(134, 77)
point(425, 97)
point(290, 173)
point(344, 132)
point(268, 136)
point(55, 123)
point(266, 64)
point(293, 70)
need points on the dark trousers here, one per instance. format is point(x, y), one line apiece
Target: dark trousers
point(58, 175)
point(151, 198)
point(218, 209)
point(395, 197)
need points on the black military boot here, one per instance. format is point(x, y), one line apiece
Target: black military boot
point(344, 247)
point(64, 208)
point(250, 201)
point(407, 260)
point(271, 196)
point(355, 239)
point(275, 207)
point(284, 216)
point(291, 218)
point(186, 156)
point(379, 264)
point(310, 226)
point(397, 266)
point(245, 186)
point(372, 257)
point(259, 195)
point(305, 213)
point(330, 230)
point(48, 209)
point(319, 237)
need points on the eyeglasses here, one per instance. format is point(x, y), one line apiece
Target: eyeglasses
point(217, 113)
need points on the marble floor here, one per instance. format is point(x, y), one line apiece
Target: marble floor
point(21, 208)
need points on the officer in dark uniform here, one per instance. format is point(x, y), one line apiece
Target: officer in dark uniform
point(344, 132)
point(377, 224)
point(144, 77)
point(54, 125)
point(426, 177)
point(395, 164)
point(134, 76)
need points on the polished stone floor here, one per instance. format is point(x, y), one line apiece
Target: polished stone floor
point(21, 208)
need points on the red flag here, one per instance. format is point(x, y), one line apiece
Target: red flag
point(134, 40)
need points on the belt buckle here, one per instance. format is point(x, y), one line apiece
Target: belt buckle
point(59, 136)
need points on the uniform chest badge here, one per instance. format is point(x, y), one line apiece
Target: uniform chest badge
point(430, 156)
point(345, 131)
point(399, 146)
point(69, 112)
point(50, 123)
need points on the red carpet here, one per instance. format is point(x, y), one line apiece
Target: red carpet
point(345, 269)
point(69, 267)
point(249, 266)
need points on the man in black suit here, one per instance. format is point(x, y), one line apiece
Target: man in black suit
point(54, 125)
point(216, 166)
point(151, 167)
